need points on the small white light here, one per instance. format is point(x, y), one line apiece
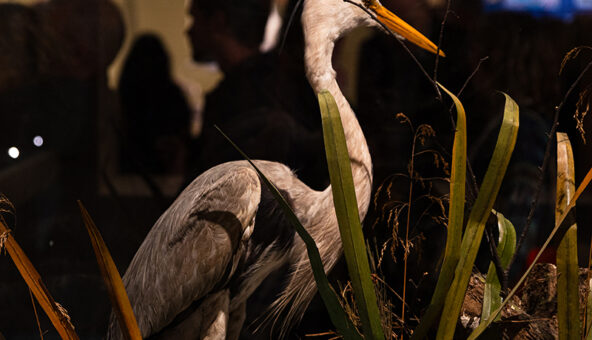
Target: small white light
point(13, 152)
point(51, 243)
point(38, 141)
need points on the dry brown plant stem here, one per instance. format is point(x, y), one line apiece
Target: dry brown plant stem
point(59, 319)
point(408, 225)
point(36, 315)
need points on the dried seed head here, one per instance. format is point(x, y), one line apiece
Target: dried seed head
point(3, 239)
point(572, 54)
point(64, 315)
point(583, 106)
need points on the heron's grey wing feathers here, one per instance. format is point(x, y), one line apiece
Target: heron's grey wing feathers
point(194, 246)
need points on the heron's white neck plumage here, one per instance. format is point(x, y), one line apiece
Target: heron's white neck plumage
point(323, 23)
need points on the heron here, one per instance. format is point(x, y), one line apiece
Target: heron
point(225, 233)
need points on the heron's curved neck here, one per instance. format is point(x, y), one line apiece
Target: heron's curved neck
point(318, 51)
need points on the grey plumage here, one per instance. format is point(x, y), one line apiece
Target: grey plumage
point(206, 244)
point(224, 234)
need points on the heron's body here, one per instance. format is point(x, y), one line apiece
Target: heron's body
point(225, 233)
point(206, 245)
point(217, 242)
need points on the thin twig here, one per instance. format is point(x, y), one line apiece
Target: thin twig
point(542, 171)
point(481, 61)
point(423, 70)
point(290, 21)
point(408, 222)
point(36, 315)
point(442, 25)
point(474, 189)
point(497, 262)
point(378, 278)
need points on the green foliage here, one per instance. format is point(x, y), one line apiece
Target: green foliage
point(505, 249)
point(348, 217)
point(481, 328)
point(455, 221)
point(568, 294)
point(477, 218)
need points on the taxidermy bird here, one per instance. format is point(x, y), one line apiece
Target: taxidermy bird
point(192, 275)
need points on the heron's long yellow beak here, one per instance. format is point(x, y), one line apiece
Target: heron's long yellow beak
point(397, 25)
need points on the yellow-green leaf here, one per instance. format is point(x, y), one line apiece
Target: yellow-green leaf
point(477, 218)
point(455, 221)
point(481, 328)
point(568, 297)
point(505, 249)
point(348, 217)
point(117, 293)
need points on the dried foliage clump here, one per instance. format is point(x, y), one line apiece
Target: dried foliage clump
point(393, 205)
point(6, 208)
point(572, 54)
point(584, 104)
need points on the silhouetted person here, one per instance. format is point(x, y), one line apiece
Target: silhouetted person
point(264, 104)
point(155, 112)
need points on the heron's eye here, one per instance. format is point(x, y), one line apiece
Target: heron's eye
point(369, 3)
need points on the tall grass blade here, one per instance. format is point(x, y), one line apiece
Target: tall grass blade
point(477, 218)
point(57, 315)
point(568, 297)
point(481, 328)
point(455, 221)
point(348, 217)
point(117, 293)
point(505, 249)
point(337, 314)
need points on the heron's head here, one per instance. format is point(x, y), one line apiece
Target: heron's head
point(328, 20)
point(398, 26)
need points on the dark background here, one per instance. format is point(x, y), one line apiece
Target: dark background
point(53, 61)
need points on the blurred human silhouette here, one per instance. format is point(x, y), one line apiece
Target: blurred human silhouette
point(155, 112)
point(264, 102)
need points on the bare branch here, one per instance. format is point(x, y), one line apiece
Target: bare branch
point(432, 81)
point(542, 171)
